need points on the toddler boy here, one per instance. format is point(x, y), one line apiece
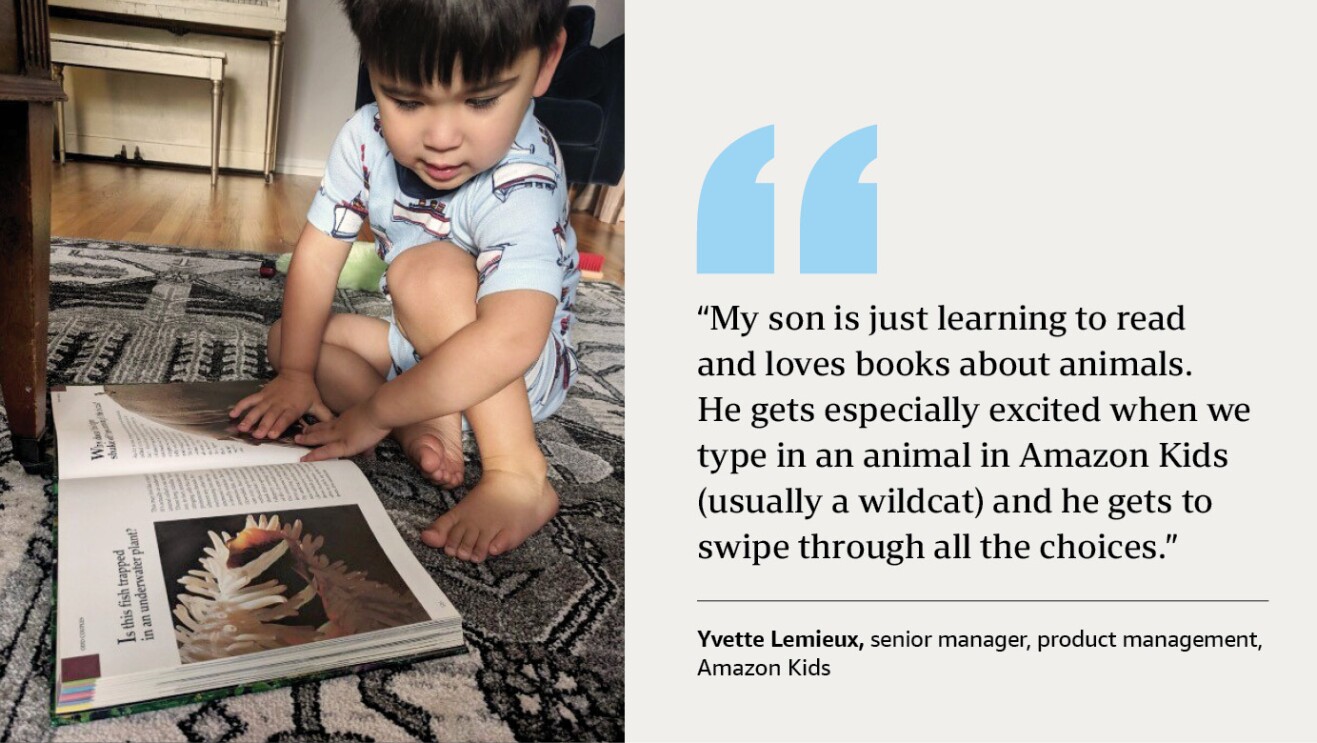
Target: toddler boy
point(466, 195)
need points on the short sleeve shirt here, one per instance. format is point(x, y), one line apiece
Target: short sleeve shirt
point(513, 217)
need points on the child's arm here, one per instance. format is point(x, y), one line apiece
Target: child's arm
point(308, 297)
point(482, 358)
point(336, 213)
point(505, 340)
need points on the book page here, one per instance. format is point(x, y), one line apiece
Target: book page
point(158, 571)
point(130, 429)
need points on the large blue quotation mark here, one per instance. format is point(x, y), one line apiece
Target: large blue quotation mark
point(734, 225)
point(838, 215)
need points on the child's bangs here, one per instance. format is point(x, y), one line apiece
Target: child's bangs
point(421, 43)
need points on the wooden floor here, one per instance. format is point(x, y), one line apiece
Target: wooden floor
point(164, 206)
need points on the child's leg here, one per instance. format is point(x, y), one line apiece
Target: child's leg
point(354, 358)
point(434, 288)
point(513, 498)
point(354, 362)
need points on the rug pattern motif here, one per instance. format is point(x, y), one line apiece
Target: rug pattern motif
point(544, 623)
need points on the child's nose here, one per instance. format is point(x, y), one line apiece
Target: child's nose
point(443, 133)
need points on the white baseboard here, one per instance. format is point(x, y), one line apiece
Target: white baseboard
point(300, 166)
point(183, 154)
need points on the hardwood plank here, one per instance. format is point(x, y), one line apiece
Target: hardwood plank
point(169, 206)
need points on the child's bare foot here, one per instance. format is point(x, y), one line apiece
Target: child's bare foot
point(499, 513)
point(435, 447)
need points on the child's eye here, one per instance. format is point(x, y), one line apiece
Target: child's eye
point(482, 102)
point(406, 105)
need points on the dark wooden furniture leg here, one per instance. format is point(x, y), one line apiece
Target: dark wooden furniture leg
point(25, 147)
point(27, 95)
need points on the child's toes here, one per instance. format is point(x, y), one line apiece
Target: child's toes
point(449, 475)
point(482, 544)
point(436, 535)
point(466, 550)
point(427, 459)
point(455, 537)
point(456, 475)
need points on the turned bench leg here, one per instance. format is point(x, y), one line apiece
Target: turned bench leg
point(216, 96)
point(57, 70)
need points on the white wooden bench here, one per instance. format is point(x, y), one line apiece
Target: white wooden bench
point(111, 54)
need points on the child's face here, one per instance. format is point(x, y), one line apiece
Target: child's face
point(447, 135)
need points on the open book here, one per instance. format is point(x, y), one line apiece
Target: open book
point(194, 562)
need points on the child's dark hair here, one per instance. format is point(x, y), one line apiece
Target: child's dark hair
point(421, 41)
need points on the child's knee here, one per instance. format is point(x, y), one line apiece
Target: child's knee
point(433, 273)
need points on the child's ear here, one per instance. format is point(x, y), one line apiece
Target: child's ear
point(549, 64)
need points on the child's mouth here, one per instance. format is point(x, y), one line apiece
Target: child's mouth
point(442, 172)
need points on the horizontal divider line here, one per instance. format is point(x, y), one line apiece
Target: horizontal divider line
point(984, 601)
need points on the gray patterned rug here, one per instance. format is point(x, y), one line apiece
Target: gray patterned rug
point(544, 623)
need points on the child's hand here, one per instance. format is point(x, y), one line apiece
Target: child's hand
point(350, 433)
point(281, 402)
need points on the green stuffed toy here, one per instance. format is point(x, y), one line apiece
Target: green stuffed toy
point(362, 270)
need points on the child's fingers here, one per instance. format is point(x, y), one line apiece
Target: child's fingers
point(254, 415)
point(332, 451)
point(316, 435)
point(245, 403)
point(337, 438)
point(321, 411)
point(275, 423)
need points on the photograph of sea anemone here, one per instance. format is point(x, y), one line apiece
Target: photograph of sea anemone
point(200, 408)
point(244, 583)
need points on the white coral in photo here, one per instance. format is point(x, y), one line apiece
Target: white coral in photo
point(226, 614)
